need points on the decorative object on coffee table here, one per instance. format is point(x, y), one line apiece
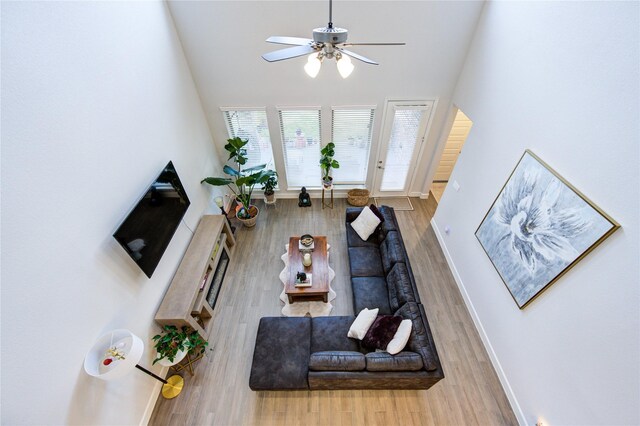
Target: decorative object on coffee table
point(116, 353)
point(538, 228)
point(304, 200)
point(306, 241)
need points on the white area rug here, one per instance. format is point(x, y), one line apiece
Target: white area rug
point(398, 203)
point(301, 309)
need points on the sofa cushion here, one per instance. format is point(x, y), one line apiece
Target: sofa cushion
point(362, 323)
point(330, 334)
point(391, 251)
point(366, 223)
point(365, 262)
point(381, 332)
point(403, 361)
point(401, 338)
point(354, 240)
point(337, 361)
point(389, 223)
point(281, 354)
point(370, 292)
point(399, 286)
point(419, 341)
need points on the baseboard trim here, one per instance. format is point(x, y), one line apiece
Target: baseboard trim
point(515, 406)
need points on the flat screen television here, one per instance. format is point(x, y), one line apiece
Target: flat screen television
point(147, 230)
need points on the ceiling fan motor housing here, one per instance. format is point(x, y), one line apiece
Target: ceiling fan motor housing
point(330, 35)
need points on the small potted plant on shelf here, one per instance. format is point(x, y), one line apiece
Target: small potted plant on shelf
point(242, 181)
point(327, 162)
point(269, 189)
point(173, 344)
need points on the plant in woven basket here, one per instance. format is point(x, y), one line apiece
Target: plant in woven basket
point(173, 340)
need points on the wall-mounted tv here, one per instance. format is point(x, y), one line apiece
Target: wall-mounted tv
point(147, 230)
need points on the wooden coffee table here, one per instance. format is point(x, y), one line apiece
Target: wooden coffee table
point(319, 271)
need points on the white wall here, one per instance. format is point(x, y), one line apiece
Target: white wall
point(562, 80)
point(96, 99)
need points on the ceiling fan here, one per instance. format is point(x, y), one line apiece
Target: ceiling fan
point(327, 43)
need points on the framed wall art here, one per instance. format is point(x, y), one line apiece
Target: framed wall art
point(538, 228)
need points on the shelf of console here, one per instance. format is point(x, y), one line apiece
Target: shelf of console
point(185, 302)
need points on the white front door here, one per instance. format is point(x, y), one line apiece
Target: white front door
point(403, 133)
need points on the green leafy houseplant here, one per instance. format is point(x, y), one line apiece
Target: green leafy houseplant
point(241, 181)
point(173, 340)
point(327, 162)
point(269, 185)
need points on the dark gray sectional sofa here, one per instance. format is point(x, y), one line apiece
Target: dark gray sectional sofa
point(315, 353)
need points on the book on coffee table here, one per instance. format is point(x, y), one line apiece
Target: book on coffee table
point(305, 283)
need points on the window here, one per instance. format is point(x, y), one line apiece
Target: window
point(300, 130)
point(405, 132)
point(251, 125)
point(351, 130)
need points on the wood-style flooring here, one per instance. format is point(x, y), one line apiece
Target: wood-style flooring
point(219, 393)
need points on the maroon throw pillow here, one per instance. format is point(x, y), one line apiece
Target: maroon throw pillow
point(375, 211)
point(381, 332)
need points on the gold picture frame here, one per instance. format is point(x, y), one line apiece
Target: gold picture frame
point(538, 228)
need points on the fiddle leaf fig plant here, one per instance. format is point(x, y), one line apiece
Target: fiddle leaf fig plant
point(241, 181)
point(327, 162)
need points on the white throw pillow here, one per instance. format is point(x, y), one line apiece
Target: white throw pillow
point(362, 323)
point(401, 337)
point(365, 223)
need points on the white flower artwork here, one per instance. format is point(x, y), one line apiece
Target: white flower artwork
point(538, 228)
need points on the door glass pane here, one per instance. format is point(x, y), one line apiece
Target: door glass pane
point(351, 132)
point(301, 145)
point(404, 133)
point(251, 126)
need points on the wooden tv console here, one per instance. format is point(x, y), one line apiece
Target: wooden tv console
point(192, 294)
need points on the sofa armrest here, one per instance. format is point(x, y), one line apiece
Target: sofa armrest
point(337, 361)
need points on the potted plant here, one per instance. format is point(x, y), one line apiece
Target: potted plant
point(173, 344)
point(241, 181)
point(268, 187)
point(327, 162)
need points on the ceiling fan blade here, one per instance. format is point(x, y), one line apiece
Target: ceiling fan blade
point(374, 44)
point(297, 41)
point(291, 52)
point(359, 57)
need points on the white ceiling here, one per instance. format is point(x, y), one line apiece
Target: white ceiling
point(223, 41)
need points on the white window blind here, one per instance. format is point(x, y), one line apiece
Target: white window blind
point(251, 125)
point(300, 130)
point(351, 131)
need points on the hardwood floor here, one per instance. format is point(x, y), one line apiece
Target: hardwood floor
point(219, 393)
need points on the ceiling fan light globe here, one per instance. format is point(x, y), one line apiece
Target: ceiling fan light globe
point(345, 67)
point(312, 67)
